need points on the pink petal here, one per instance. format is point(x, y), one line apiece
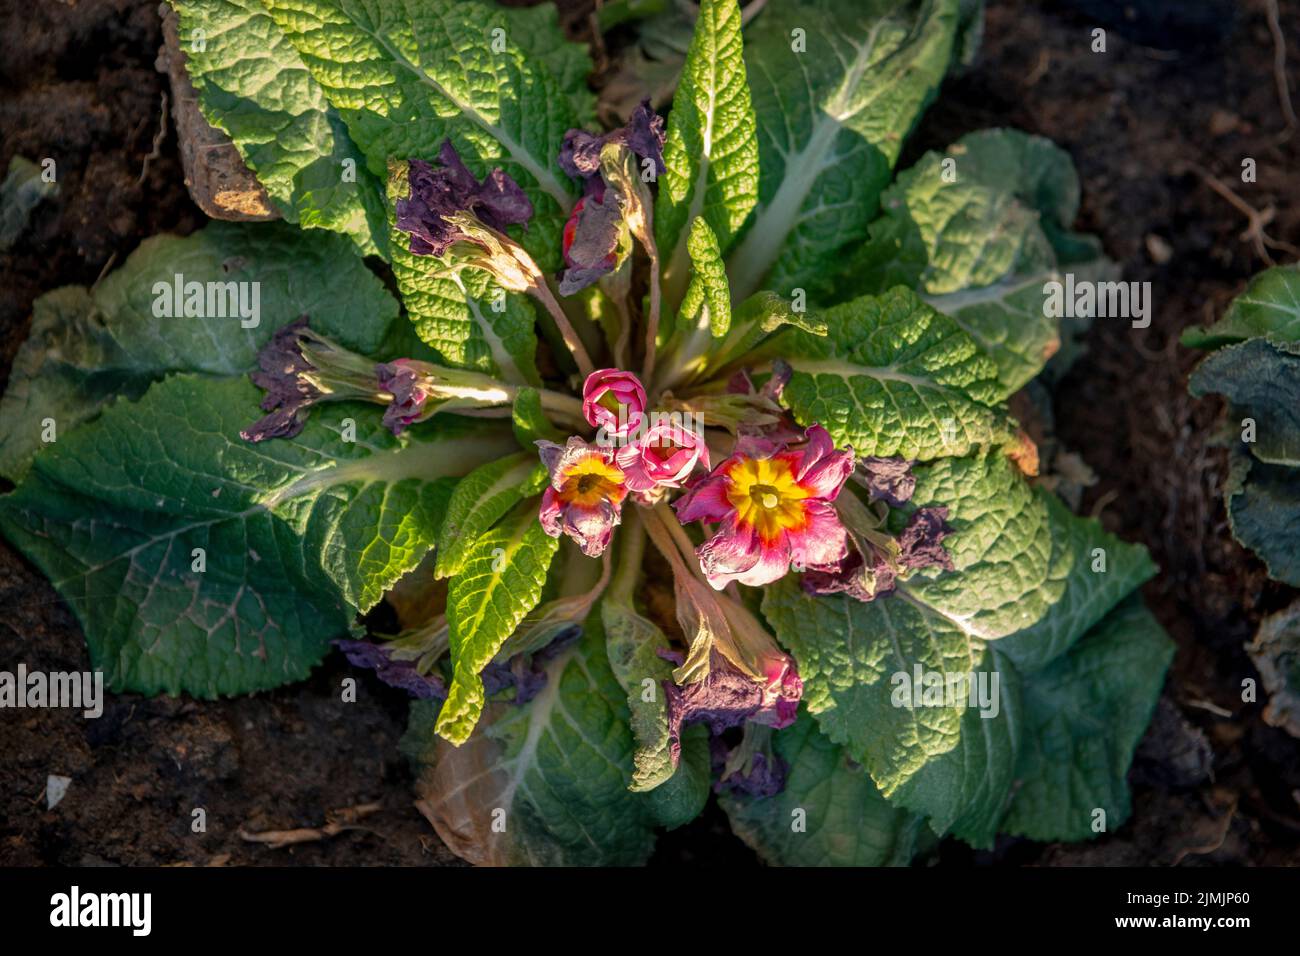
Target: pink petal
point(822, 542)
point(736, 555)
point(707, 501)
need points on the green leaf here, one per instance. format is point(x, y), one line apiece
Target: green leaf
point(253, 85)
point(894, 377)
point(1027, 584)
point(294, 534)
point(500, 581)
point(530, 421)
point(682, 797)
point(538, 31)
point(480, 500)
point(1270, 307)
point(1083, 717)
point(943, 759)
point(406, 76)
point(1261, 379)
point(710, 149)
point(831, 122)
point(708, 290)
point(1264, 511)
point(1027, 571)
point(976, 230)
point(89, 346)
point(1089, 572)
point(556, 767)
point(829, 814)
point(632, 643)
point(21, 192)
point(460, 311)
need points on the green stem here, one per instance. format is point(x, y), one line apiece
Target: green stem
point(631, 555)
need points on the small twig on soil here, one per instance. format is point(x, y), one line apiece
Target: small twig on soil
point(1212, 708)
point(158, 138)
point(1257, 219)
point(336, 822)
point(1279, 69)
point(104, 271)
point(1040, 68)
point(1210, 847)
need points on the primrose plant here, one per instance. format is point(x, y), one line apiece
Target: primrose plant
point(683, 465)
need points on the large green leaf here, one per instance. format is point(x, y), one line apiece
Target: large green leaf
point(407, 74)
point(1261, 379)
point(711, 149)
point(1027, 583)
point(88, 346)
point(893, 377)
point(829, 814)
point(198, 562)
point(479, 501)
point(1083, 717)
point(837, 85)
point(1027, 571)
point(252, 84)
point(942, 760)
point(977, 230)
point(543, 784)
point(1264, 511)
point(500, 581)
point(1270, 307)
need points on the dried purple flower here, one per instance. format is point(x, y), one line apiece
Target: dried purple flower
point(401, 674)
point(887, 479)
point(921, 540)
point(643, 135)
point(437, 193)
point(288, 392)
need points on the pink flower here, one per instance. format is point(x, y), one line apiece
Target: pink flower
point(614, 401)
point(774, 507)
point(585, 497)
point(664, 456)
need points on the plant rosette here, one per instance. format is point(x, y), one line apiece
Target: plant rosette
point(681, 455)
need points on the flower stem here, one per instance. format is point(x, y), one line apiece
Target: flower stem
point(652, 325)
point(631, 554)
point(567, 331)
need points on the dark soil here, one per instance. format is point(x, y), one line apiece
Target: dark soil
point(1212, 784)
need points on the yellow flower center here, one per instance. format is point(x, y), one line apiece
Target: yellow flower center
point(590, 481)
point(766, 496)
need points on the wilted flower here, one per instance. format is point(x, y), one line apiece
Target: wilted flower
point(643, 135)
point(774, 505)
point(727, 697)
point(393, 671)
point(920, 543)
point(596, 240)
point(854, 577)
point(867, 573)
point(664, 456)
point(887, 479)
point(614, 401)
point(300, 368)
point(438, 193)
point(585, 497)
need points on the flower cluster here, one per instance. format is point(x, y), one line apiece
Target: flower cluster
point(769, 497)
